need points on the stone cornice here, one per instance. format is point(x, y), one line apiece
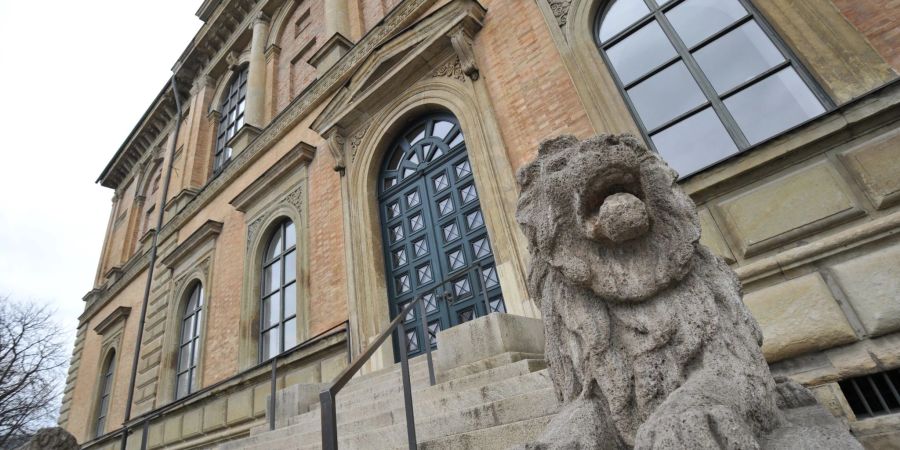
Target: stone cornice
point(119, 314)
point(206, 232)
point(302, 153)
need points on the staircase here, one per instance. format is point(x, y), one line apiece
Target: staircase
point(495, 403)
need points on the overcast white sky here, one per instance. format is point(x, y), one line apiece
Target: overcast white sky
point(75, 77)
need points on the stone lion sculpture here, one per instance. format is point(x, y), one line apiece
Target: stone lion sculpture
point(649, 344)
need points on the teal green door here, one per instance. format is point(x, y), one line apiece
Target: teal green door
point(433, 231)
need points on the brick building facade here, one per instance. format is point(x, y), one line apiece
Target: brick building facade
point(289, 109)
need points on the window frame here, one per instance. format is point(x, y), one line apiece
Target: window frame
point(683, 53)
point(279, 230)
point(235, 95)
point(195, 315)
point(107, 375)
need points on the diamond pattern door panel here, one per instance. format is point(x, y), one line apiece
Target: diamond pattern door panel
point(434, 232)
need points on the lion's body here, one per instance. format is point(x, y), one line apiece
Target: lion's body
point(649, 344)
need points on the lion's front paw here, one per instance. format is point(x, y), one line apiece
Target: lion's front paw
point(715, 427)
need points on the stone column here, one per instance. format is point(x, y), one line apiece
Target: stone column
point(337, 18)
point(256, 74)
point(337, 28)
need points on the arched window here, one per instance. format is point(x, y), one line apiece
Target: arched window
point(705, 79)
point(232, 118)
point(106, 380)
point(278, 292)
point(189, 343)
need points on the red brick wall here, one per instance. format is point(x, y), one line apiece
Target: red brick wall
point(304, 24)
point(879, 22)
point(532, 93)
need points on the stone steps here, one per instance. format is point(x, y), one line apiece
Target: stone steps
point(493, 392)
point(492, 398)
point(476, 389)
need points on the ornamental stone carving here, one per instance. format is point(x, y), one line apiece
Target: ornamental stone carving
point(648, 342)
point(295, 198)
point(334, 142)
point(451, 69)
point(560, 10)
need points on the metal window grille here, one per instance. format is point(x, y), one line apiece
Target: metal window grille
point(873, 395)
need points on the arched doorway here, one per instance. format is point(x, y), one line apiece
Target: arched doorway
point(435, 239)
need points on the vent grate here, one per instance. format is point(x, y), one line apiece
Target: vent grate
point(873, 395)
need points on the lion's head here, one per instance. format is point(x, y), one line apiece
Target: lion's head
point(607, 214)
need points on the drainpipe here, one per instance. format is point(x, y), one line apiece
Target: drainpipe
point(153, 249)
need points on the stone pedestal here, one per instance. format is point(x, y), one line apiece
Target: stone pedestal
point(487, 342)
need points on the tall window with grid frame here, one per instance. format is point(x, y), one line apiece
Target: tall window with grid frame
point(189, 343)
point(278, 292)
point(231, 119)
point(705, 79)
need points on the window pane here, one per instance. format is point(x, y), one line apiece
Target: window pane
point(773, 105)
point(290, 235)
point(290, 300)
point(638, 53)
point(274, 248)
point(665, 95)
point(187, 329)
point(290, 267)
point(695, 20)
point(195, 353)
point(620, 15)
point(271, 278)
point(269, 344)
point(183, 384)
point(694, 143)
point(738, 56)
point(271, 310)
point(184, 356)
point(290, 333)
point(193, 381)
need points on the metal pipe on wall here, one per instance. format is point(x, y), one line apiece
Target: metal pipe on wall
point(152, 264)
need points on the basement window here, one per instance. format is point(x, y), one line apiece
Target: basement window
point(873, 395)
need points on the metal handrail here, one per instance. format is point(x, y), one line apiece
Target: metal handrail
point(327, 396)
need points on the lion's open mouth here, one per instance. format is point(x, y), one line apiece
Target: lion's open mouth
point(612, 206)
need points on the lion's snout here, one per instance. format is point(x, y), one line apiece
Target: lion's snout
point(621, 217)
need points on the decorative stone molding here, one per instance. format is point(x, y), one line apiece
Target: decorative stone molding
point(560, 10)
point(301, 154)
point(208, 231)
point(253, 229)
point(105, 325)
point(334, 142)
point(461, 38)
point(451, 69)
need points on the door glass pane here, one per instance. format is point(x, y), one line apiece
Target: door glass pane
point(442, 128)
point(290, 266)
point(290, 300)
point(773, 105)
point(665, 95)
point(620, 15)
point(738, 56)
point(695, 142)
point(695, 20)
point(641, 51)
point(290, 334)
